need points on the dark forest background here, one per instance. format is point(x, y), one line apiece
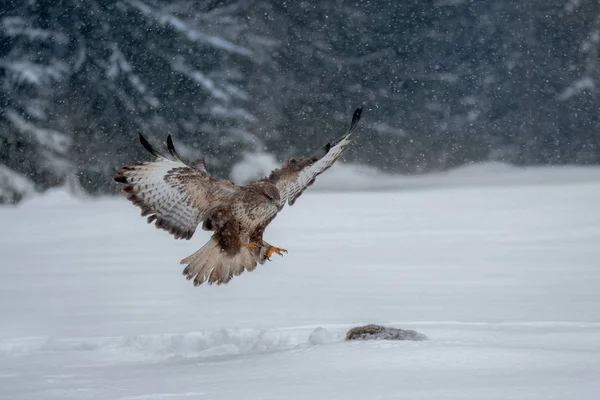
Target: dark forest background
point(443, 83)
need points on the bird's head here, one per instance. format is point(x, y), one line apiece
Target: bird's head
point(272, 194)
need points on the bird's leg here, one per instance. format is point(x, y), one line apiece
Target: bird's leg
point(273, 249)
point(251, 246)
point(263, 251)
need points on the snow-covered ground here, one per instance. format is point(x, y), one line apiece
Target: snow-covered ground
point(499, 267)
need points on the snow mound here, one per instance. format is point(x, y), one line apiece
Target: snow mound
point(70, 193)
point(194, 344)
point(320, 336)
point(205, 344)
point(51, 197)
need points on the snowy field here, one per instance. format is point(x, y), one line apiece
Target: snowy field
point(499, 267)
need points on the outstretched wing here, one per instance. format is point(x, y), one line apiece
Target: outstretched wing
point(296, 175)
point(176, 196)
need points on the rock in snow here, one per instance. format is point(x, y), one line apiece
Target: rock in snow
point(379, 332)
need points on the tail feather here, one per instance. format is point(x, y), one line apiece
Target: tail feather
point(213, 265)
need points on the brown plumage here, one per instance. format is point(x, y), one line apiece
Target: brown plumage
point(178, 197)
point(379, 332)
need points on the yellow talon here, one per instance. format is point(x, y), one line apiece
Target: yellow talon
point(276, 250)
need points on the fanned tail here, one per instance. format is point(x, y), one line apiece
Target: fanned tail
point(213, 265)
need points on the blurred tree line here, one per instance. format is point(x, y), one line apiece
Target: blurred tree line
point(443, 82)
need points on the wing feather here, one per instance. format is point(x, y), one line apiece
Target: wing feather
point(172, 150)
point(175, 196)
point(297, 174)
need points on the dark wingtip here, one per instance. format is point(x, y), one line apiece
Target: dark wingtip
point(120, 179)
point(171, 148)
point(355, 119)
point(148, 146)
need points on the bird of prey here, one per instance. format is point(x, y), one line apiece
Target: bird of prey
point(178, 197)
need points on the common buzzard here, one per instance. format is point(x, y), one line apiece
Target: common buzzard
point(178, 197)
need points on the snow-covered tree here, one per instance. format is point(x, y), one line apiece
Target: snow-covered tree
point(80, 79)
point(444, 83)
